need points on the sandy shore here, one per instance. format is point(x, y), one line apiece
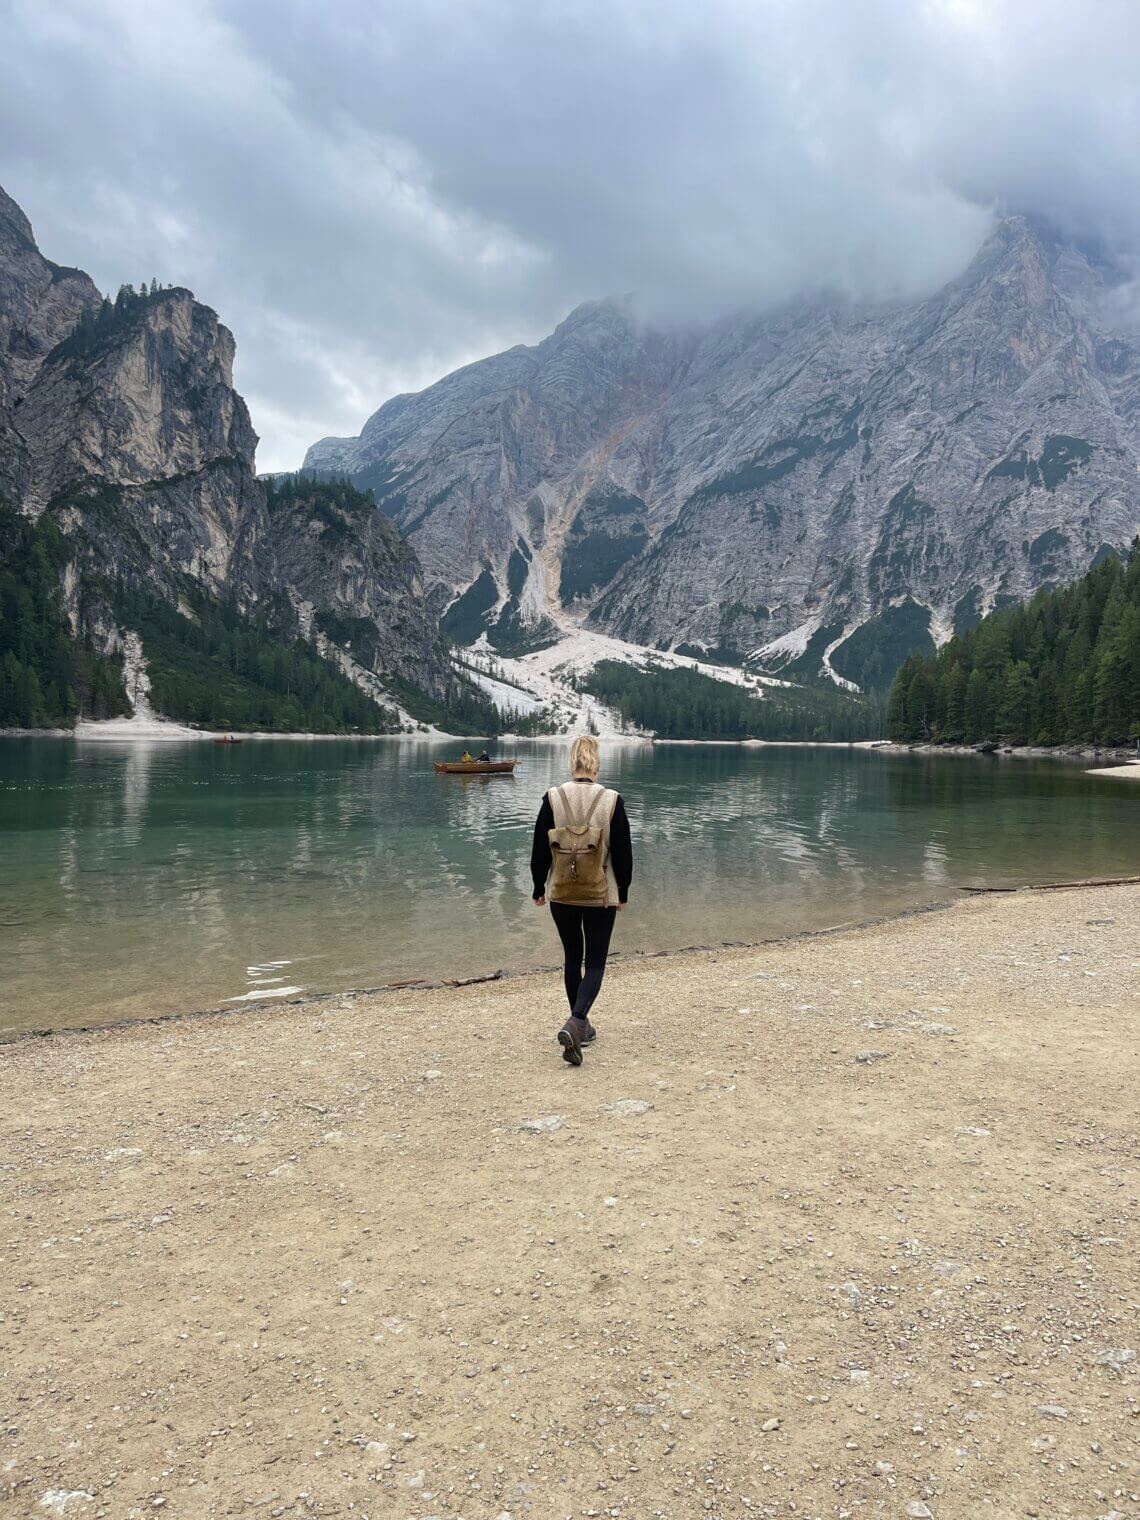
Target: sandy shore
point(1128, 771)
point(836, 1227)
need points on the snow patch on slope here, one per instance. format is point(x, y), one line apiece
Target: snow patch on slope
point(546, 676)
point(144, 722)
point(826, 667)
point(789, 646)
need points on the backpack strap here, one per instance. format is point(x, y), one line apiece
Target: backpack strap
point(598, 795)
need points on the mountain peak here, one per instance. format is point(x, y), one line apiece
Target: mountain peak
point(15, 223)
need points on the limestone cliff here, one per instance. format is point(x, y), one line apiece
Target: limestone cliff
point(825, 485)
point(120, 420)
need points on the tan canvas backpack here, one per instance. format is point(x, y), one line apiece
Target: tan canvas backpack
point(578, 850)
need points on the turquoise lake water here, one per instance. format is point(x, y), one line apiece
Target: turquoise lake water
point(169, 877)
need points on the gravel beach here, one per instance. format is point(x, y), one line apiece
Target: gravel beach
point(839, 1226)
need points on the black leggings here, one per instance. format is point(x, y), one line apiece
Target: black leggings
point(585, 935)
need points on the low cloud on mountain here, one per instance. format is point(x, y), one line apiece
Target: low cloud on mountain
point(372, 195)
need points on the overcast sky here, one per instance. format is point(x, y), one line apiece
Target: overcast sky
point(371, 194)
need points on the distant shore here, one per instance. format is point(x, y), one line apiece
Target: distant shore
point(1123, 762)
point(806, 1216)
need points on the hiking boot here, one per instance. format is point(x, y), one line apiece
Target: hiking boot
point(590, 1036)
point(571, 1037)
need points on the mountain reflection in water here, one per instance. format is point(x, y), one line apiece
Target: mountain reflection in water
point(149, 879)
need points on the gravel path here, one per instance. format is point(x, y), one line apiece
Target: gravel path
point(845, 1226)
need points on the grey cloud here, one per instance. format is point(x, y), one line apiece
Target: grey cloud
point(372, 195)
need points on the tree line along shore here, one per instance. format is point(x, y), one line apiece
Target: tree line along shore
point(1062, 670)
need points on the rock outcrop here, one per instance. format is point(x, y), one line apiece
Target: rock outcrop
point(826, 486)
point(120, 420)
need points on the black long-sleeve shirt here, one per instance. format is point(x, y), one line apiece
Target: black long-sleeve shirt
point(621, 849)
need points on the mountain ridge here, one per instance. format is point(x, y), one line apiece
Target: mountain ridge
point(782, 481)
point(119, 421)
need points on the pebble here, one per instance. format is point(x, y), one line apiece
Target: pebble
point(883, 1469)
point(1120, 1357)
point(626, 1106)
point(1053, 1411)
point(866, 1057)
point(543, 1126)
point(63, 1501)
point(852, 1293)
point(645, 1409)
point(972, 1129)
point(919, 1511)
point(770, 1425)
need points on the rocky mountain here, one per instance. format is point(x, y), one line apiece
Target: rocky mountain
point(120, 423)
point(822, 488)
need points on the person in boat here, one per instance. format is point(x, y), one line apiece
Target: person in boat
point(467, 758)
point(582, 861)
point(484, 755)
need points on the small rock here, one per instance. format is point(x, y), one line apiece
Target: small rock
point(973, 1129)
point(1053, 1411)
point(946, 1268)
point(780, 1351)
point(627, 1106)
point(64, 1501)
point(432, 1076)
point(645, 1409)
point(858, 1375)
point(919, 1511)
point(770, 1425)
point(543, 1126)
point(610, 1203)
point(937, 1029)
point(852, 1293)
point(1043, 1443)
point(866, 1057)
point(1118, 1358)
point(883, 1469)
point(333, 1137)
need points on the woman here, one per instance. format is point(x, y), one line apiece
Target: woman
point(582, 859)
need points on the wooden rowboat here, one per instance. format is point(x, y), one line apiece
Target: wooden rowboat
point(229, 739)
point(474, 767)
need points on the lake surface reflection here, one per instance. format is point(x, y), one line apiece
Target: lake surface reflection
point(149, 879)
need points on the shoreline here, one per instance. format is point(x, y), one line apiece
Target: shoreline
point(408, 985)
point(118, 731)
point(831, 1220)
point(239, 1008)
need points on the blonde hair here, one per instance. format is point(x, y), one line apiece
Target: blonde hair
point(585, 755)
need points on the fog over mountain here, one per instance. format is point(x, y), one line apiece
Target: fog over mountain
point(375, 195)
